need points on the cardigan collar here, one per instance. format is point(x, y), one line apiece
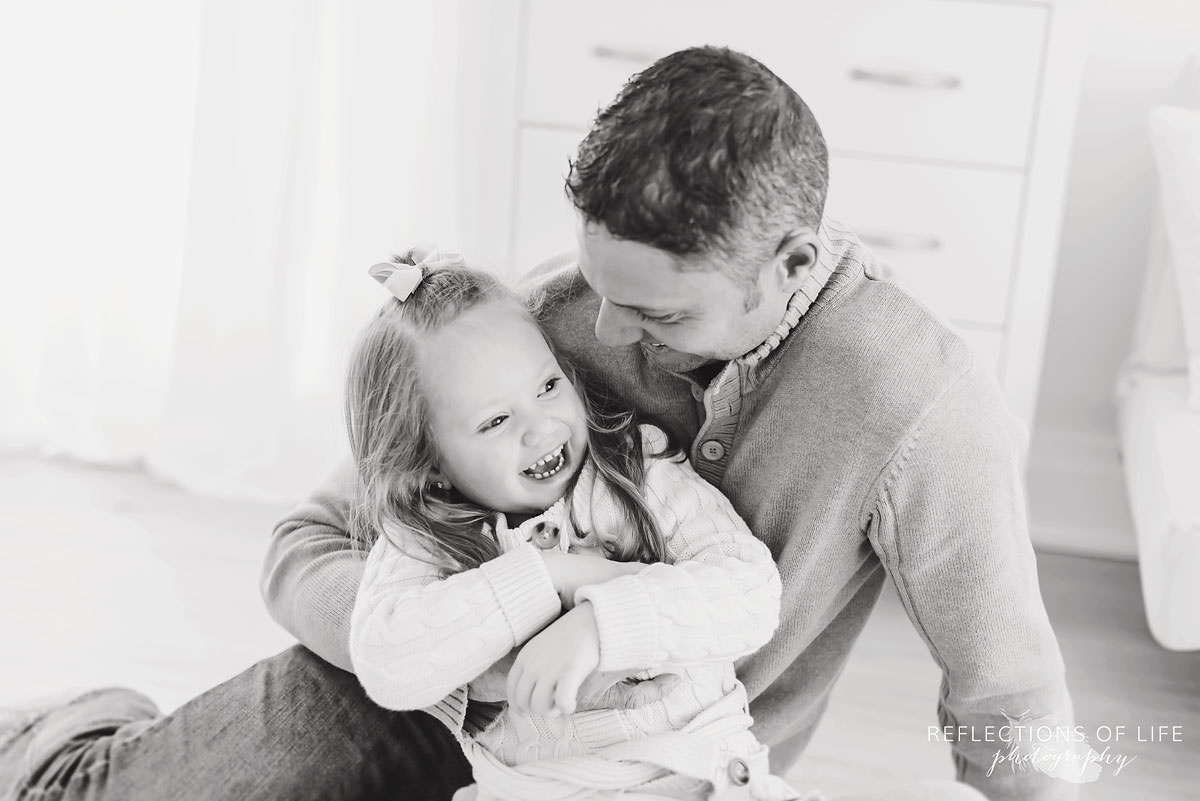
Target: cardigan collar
point(800, 303)
point(833, 250)
point(557, 516)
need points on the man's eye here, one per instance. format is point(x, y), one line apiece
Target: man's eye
point(669, 319)
point(495, 421)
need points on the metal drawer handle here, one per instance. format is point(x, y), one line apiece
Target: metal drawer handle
point(912, 242)
point(911, 80)
point(629, 54)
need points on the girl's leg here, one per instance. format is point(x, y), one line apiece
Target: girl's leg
point(291, 727)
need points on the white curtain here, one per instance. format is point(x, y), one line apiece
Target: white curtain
point(193, 191)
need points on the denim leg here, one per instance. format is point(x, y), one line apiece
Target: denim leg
point(291, 727)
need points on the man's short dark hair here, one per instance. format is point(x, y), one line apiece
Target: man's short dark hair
point(704, 151)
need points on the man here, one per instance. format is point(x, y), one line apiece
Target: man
point(853, 432)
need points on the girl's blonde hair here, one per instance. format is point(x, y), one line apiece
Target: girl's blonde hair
point(388, 421)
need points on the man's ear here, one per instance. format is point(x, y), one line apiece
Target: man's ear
point(798, 253)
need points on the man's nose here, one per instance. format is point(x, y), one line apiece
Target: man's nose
point(615, 327)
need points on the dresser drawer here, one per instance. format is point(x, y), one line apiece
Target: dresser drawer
point(926, 207)
point(949, 232)
point(936, 79)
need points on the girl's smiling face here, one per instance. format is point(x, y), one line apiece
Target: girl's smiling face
point(509, 427)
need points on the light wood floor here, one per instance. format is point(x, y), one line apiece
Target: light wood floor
point(107, 577)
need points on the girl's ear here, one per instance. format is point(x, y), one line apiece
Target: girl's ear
point(438, 481)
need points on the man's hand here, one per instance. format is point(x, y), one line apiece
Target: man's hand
point(570, 571)
point(547, 673)
point(626, 692)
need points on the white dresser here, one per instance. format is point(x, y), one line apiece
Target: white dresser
point(948, 122)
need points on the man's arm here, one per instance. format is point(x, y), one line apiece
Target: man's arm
point(949, 523)
point(311, 573)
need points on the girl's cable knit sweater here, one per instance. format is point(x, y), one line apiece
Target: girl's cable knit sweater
point(668, 636)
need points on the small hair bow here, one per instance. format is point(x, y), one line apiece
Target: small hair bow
point(403, 276)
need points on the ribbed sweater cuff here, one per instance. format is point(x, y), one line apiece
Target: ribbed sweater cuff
point(522, 586)
point(451, 711)
point(625, 620)
point(600, 728)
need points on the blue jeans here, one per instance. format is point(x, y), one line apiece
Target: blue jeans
point(291, 727)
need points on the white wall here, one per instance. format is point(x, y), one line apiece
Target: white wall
point(1136, 50)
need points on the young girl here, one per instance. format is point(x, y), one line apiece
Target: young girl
point(494, 495)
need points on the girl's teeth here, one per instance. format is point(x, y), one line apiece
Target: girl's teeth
point(555, 457)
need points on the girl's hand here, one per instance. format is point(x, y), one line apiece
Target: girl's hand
point(547, 673)
point(570, 571)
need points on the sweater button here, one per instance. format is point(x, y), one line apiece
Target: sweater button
point(545, 536)
point(712, 450)
point(739, 772)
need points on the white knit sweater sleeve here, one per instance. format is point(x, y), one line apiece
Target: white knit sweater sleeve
point(716, 600)
point(415, 638)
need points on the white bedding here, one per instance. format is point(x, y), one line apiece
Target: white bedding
point(1158, 397)
point(1160, 444)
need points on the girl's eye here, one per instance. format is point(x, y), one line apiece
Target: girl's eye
point(550, 385)
point(495, 421)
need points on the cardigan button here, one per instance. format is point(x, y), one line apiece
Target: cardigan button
point(739, 772)
point(545, 536)
point(712, 450)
